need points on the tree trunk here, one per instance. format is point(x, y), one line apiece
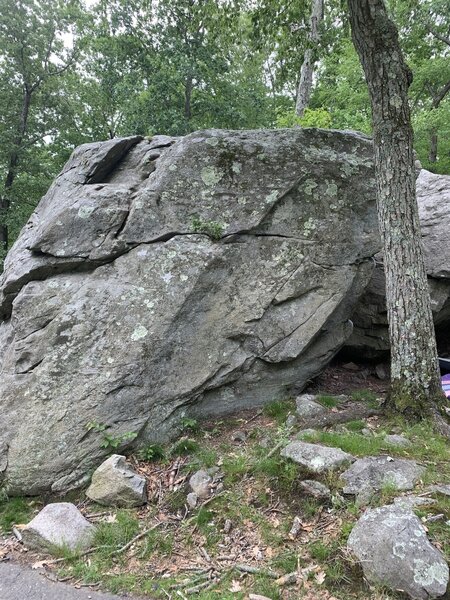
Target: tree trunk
point(307, 70)
point(432, 156)
point(415, 379)
point(437, 99)
point(11, 173)
point(188, 86)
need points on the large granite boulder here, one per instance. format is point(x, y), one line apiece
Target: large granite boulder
point(370, 337)
point(167, 277)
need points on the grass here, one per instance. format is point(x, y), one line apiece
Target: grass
point(261, 497)
point(328, 401)
point(14, 511)
point(279, 410)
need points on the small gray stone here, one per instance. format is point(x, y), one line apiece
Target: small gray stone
point(412, 501)
point(392, 546)
point(316, 458)
point(366, 432)
point(307, 407)
point(239, 436)
point(114, 483)
point(376, 471)
point(192, 499)
point(315, 489)
point(306, 433)
point(440, 488)
point(291, 421)
point(397, 440)
point(200, 483)
point(364, 496)
point(59, 524)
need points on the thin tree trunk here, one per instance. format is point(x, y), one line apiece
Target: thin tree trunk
point(188, 86)
point(432, 155)
point(437, 99)
point(415, 380)
point(309, 60)
point(11, 173)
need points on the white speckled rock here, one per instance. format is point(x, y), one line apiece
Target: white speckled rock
point(391, 544)
point(316, 458)
point(59, 524)
point(114, 483)
point(373, 472)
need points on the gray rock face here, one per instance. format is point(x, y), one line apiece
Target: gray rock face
point(316, 458)
point(167, 278)
point(370, 337)
point(392, 546)
point(114, 483)
point(59, 524)
point(373, 472)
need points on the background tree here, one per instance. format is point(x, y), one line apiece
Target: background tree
point(415, 379)
point(34, 54)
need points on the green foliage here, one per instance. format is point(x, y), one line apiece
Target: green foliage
point(14, 511)
point(189, 424)
point(152, 452)
point(183, 447)
point(117, 534)
point(213, 229)
point(313, 117)
point(328, 401)
point(111, 442)
point(279, 410)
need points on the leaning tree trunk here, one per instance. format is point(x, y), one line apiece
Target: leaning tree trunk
point(415, 380)
point(309, 59)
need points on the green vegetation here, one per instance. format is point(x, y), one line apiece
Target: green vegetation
point(213, 229)
point(14, 511)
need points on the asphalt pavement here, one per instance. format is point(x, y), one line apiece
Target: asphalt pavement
point(21, 583)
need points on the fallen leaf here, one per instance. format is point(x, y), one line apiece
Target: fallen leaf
point(40, 564)
point(235, 587)
point(320, 577)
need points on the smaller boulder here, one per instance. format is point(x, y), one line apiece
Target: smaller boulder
point(307, 407)
point(397, 440)
point(373, 472)
point(316, 458)
point(200, 483)
point(392, 545)
point(315, 489)
point(59, 524)
point(114, 483)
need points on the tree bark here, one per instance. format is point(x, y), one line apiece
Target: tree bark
point(307, 70)
point(415, 380)
point(11, 173)
point(432, 155)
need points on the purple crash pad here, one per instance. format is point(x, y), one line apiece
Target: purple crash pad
point(446, 384)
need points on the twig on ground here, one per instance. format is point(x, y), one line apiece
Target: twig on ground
point(137, 537)
point(255, 571)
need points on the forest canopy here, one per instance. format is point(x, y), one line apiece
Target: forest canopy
point(74, 72)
